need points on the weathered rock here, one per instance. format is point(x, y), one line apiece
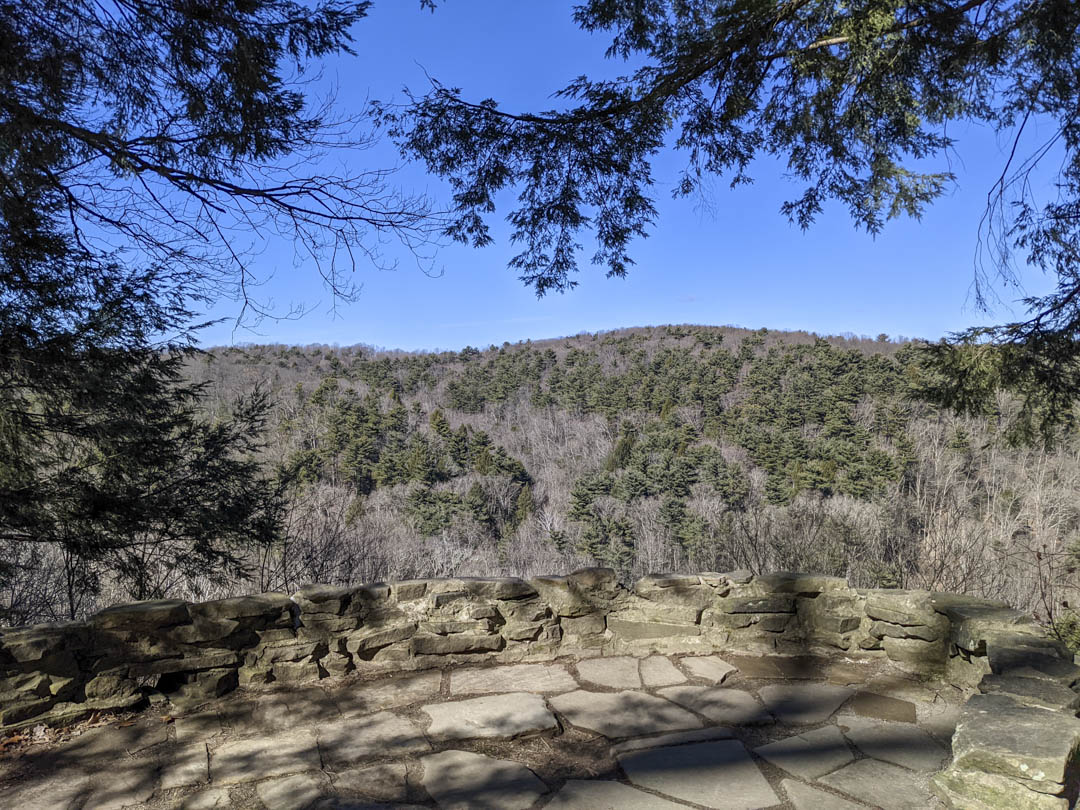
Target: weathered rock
point(386, 781)
point(766, 622)
point(306, 669)
point(974, 790)
point(460, 780)
point(935, 632)
point(400, 690)
point(1029, 657)
point(188, 766)
point(996, 734)
point(769, 603)
point(149, 615)
point(107, 687)
point(369, 639)
point(675, 589)
point(409, 590)
point(909, 608)
point(533, 610)
point(623, 714)
point(463, 643)
point(804, 703)
point(629, 630)
point(502, 588)
point(446, 627)
point(1040, 692)
point(923, 657)
point(793, 582)
point(713, 774)
point(271, 606)
point(505, 717)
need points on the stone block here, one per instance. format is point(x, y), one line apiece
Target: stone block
point(502, 588)
point(675, 589)
point(462, 643)
point(999, 735)
point(793, 582)
point(532, 610)
point(908, 608)
point(148, 615)
point(109, 686)
point(273, 607)
point(409, 590)
point(640, 630)
point(1039, 692)
point(923, 657)
point(446, 627)
point(296, 671)
point(975, 790)
point(1030, 656)
point(528, 631)
point(768, 622)
point(772, 603)
point(880, 629)
point(368, 639)
point(560, 595)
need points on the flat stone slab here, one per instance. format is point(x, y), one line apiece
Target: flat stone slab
point(460, 780)
point(348, 741)
point(804, 797)
point(899, 743)
point(809, 755)
point(540, 678)
point(262, 757)
point(999, 735)
point(623, 714)
point(883, 707)
point(724, 706)
point(366, 697)
point(713, 774)
point(190, 765)
point(212, 799)
point(656, 671)
point(756, 666)
point(882, 784)
point(674, 738)
point(804, 704)
point(579, 794)
point(616, 673)
point(299, 791)
point(709, 668)
point(504, 717)
point(387, 781)
point(64, 791)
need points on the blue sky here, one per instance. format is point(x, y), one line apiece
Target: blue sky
point(733, 261)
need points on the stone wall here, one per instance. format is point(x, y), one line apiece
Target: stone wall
point(1020, 680)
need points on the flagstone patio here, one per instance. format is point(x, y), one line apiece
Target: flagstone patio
point(706, 731)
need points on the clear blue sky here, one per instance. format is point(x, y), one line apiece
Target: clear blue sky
point(738, 261)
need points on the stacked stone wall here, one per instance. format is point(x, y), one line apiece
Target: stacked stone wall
point(187, 653)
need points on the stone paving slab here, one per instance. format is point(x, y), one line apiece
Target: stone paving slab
point(881, 784)
point(505, 717)
point(461, 780)
point(201, 726)
point(615, 673)
point(713, 774)
point(131, 783)
point(540, 678)
point(899, 743)
point(657, 670)
point(358, 738)
point(579, 794)
point(366, 697)
point(811, 754)
point(804, 704)
point(623, 714)
point(212, 799)
point(724, 706)
point(804, 797)
point(263, 757)
point(674, 738)
point(883, 707)
point(709, 668)
point(386, 781)
point(190, 765)
point(297, 792)
point(66, 791)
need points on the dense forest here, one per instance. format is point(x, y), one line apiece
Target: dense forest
point(653, 449)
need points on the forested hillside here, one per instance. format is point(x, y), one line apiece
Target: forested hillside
point(666, 449)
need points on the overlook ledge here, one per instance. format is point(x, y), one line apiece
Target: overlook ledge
point(720, 690)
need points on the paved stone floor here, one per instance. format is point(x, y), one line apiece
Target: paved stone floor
point(732, 732)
